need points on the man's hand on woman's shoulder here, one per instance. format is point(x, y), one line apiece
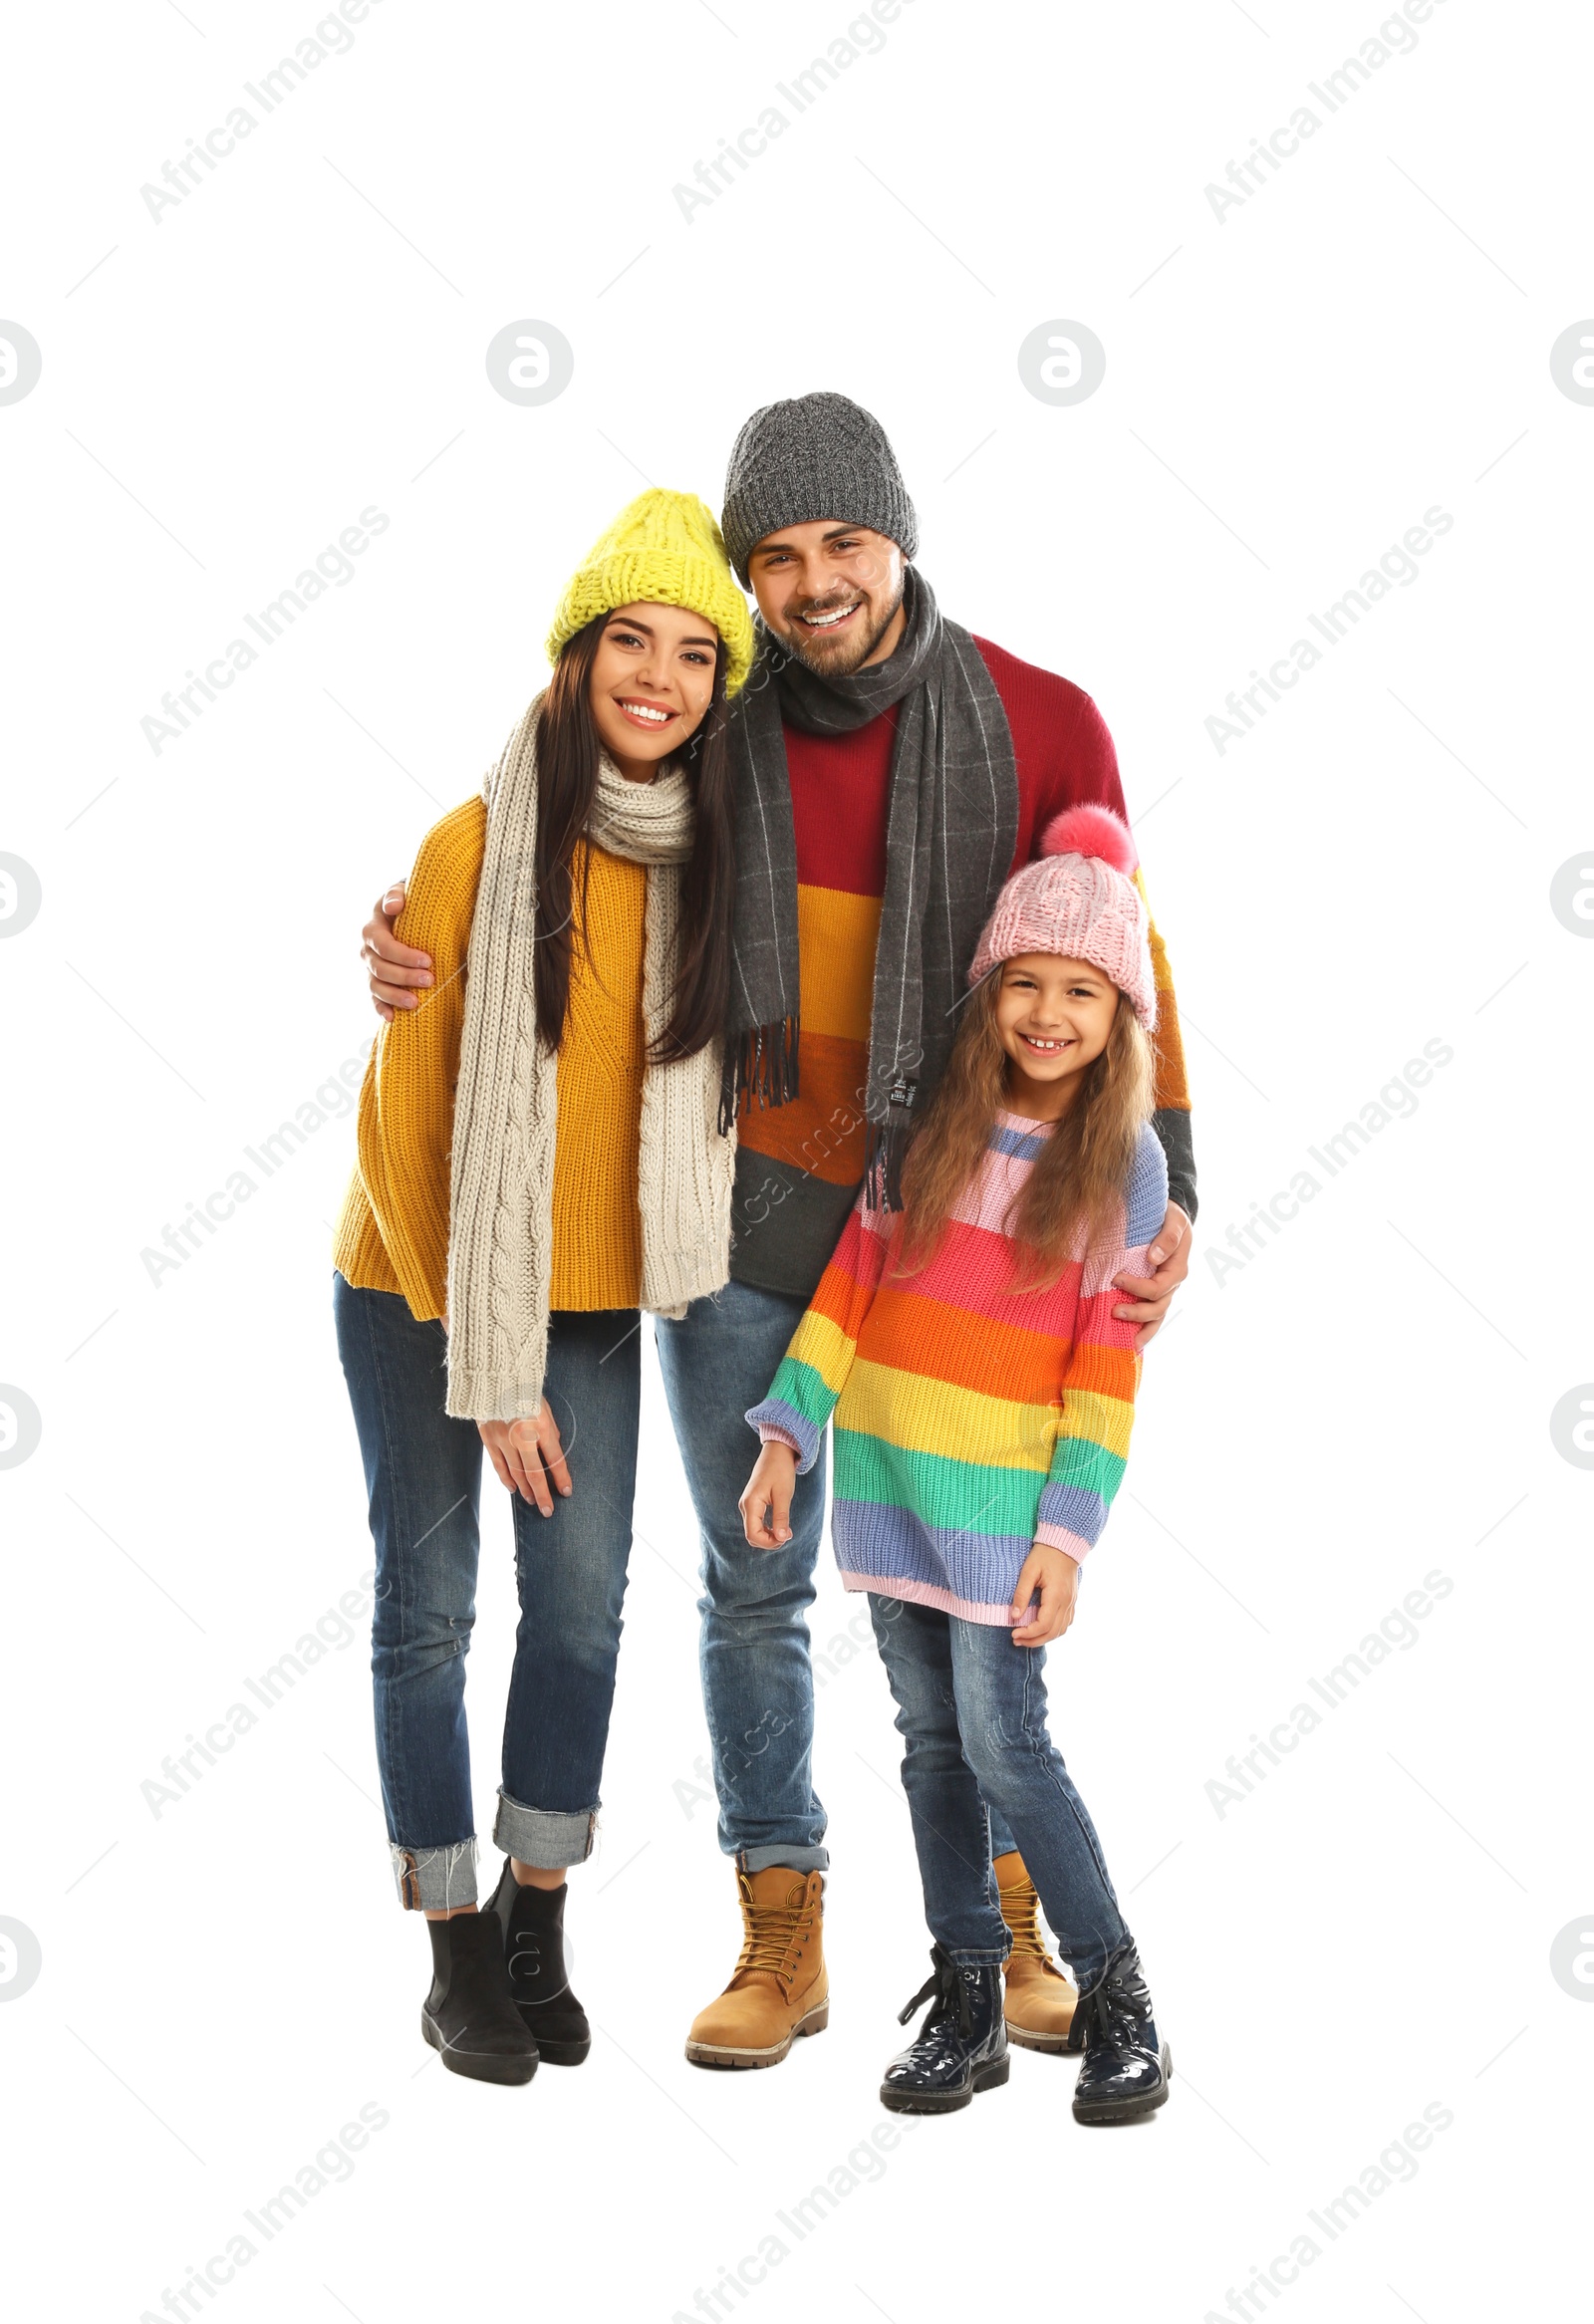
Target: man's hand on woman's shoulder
point(396, 970)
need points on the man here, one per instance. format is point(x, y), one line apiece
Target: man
point(892, 771)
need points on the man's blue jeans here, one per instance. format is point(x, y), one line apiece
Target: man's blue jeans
point(972, 1709)
point(423, 1477)
point(758, 1682)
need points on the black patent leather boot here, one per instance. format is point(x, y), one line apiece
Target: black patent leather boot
point(961, 2046)
point(1126, 2068)
point(533, 1924)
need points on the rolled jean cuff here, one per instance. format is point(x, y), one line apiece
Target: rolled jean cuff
point(798, 1859)
point(975, 1957)
point(435, 1880)
point(540, 1837)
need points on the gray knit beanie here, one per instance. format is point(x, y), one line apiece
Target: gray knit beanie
point(814, 456)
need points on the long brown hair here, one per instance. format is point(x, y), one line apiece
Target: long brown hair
point(567, 751)
point(1071, 1200)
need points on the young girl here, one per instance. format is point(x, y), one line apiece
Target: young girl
point(984, 1394)
point(540, 1155)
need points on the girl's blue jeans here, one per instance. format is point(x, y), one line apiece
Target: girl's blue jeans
point(972, 1709)
point(758, 1679)
point(423, 1478)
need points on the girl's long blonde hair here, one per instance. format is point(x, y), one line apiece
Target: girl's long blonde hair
point(1070, 1201)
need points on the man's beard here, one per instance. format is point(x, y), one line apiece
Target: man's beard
point(848, 654)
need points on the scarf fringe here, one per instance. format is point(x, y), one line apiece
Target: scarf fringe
point(883, 1173)
point(761, 1064)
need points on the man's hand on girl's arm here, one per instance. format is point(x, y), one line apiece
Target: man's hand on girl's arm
point(395, 969)
point(1052, 1576)
point(766, 1504)
point(1152, 1295)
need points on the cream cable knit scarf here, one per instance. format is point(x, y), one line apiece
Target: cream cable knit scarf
point(500, 1241)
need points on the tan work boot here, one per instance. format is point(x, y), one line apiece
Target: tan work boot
point(1040, 1999)
point(780, 1988)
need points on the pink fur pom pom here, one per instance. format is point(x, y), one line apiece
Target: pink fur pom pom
point(1091, 831)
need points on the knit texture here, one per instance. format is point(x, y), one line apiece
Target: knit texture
point(506, 1104)
point(393, 1234)
point(1078, 901)
point(597, 1221)
point(973, 1419)
point(808, 458)
point(953, 817)
point(662, 549)
point(800, 1162)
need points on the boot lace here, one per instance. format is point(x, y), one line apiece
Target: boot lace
point(1120, 2005)
point(1021, 1912)
point(773, 1934)
point(944, 1990)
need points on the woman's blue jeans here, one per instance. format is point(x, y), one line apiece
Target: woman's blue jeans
point(972, 1709)
point(423, 1478)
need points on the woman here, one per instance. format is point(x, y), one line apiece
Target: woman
point(540, 1155)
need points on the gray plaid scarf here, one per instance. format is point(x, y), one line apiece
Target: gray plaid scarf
point(953, 824)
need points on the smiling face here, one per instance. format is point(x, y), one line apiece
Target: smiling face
point(653, 680)
point(832, 593)
point(1053, 1018)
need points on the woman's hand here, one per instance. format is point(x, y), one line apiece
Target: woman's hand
point(766, 1504)
point(526, 1454)
point(1052, 1576)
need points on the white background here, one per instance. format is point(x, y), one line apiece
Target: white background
point(1368, 1399)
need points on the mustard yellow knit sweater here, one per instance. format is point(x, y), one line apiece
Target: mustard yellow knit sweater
point(394, 1232)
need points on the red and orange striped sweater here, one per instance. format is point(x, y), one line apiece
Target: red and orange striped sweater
point(799, 1164)
point(973, 1419)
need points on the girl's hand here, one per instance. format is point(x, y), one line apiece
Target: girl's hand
point(766, 1504)
point(521, 1451)
point(1053, 1576)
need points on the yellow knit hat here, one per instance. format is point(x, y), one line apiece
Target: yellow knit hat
point(664, 549)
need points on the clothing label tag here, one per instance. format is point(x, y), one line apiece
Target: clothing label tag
point(902, 1091)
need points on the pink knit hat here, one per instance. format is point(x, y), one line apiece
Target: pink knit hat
point(1079, 902)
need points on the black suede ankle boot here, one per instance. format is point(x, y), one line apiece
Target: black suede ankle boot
point(533, 1926)
point(470, 2015)
point(961, 2046)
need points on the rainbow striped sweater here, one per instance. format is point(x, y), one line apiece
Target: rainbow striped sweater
point(973, 1419)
